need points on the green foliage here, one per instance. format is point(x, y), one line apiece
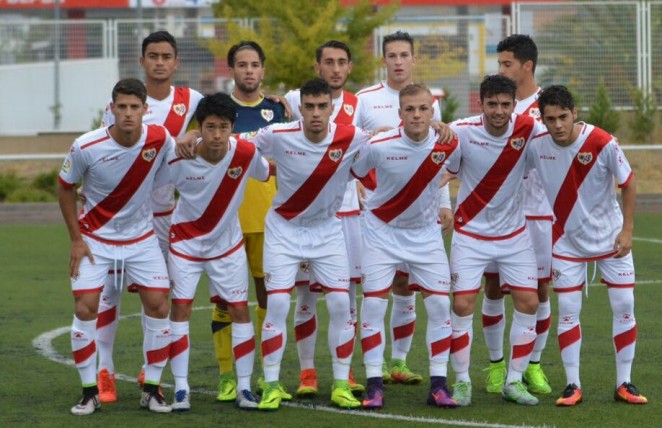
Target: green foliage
point(602, 113)
point(96, 121)
point(449, 106)
point(290, 32)
point(642, 124)
point(9, 182)
point(30, 194)
point(43, 188)
point(46, 181)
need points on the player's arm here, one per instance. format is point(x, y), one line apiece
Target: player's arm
point(67, 198)
point(446, 134)
point(185, 147)
point(623, 242)
point(445, 208)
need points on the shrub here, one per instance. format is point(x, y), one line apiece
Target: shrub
point(602, 113)
point(29, 194)
point(46, 181)
point(642, 124)
point(9, 182)
point(449, 107)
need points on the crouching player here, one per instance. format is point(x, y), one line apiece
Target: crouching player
point(205, 236)
point(577, 164)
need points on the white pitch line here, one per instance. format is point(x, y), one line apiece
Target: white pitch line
point(653, 240)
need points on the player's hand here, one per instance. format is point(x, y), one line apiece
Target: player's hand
point(80, 195)
point(185, 147)
point(79, 249)
point(446, 178)
point(381, 129)
point(362, 195)
point(623, 243)
point(447, 220)
point(446, 134)
point(286, 106)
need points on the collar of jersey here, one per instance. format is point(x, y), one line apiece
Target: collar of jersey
point(247, 104)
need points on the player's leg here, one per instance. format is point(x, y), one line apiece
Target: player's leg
point(618, 275)
point(402, 325)
point(569, 280)
point(107, 322)
point(305, 331)
point(494, 327)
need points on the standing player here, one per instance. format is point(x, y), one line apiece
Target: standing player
point(117, 166)
point(518, 56)
point(401, 226)
point(577, 164)
point(313, 159)
point(205, 236)
point(490, 228)
point(334, 63)
point(254, 111)
point(378, 109)
point(172, 107)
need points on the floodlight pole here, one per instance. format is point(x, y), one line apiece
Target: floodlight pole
point(56, 66)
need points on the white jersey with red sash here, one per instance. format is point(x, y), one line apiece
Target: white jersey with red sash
point(578, 180)
point(311, 177)
point(489, 202)
point(408, 174)
point(205, 224)
point(117, 181)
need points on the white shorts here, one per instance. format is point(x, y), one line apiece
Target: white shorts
point(162, 228)
point(540, 232)
point(570, 275)
point(287, 245)
point(351, 228)
point(227, 278)
point(513, 258)
point(387, 248)
point(142, 262)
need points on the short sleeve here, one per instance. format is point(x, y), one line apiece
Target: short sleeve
point(618, 164)
point(259, 167)
point(107, 118)
point(73, 167)
point(363, 162)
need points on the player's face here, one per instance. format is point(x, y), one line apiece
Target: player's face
point(512, 68)
point(316, 111)
point(160, 61)
point(128, 111)
point(248, 71)
point(216, 132)
point(560, 123)
point(334, 67)
point(497, 110)
point(416, 114)
point(399, 61)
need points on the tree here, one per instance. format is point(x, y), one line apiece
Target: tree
point(602, 113)
point(643, 120)
point(290, 31)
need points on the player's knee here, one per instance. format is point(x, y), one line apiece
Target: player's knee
point(464, 304)
point(239, 314)
point(180, 312)
point(525, 302)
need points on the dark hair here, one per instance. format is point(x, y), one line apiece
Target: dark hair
point(398, 36)
point(243, 45)
point(522, 46)
point(130, 86)
point(158, 37)
point(556, 95)
point(497, 84)
point(315, 87)
point(413, 89)
point(218, 104)
point(335, 44)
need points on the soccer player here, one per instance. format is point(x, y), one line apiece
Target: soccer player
point(577, 164)
point(490, 228)
point(313, 158)
point(401, 226)
point(333, 64)
point(518, 56)
point(205, 236)
point(378, 110)
point(254, 111)
point(117, 166)
point(172, 107)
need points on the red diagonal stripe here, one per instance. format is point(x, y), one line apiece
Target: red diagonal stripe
point(342, 118)
point(178, 346)
point(220, 202)
point(128, 185)
point(625, 339)
point(371, 342)
point(523, 350)
point(106, 317)
point(496, 176)
point(244, 348)
point(306, 194)
point(542, 326)
point(415, 186)
point(569, 337)
point(81, 355)
point(157, 355)
point(459, 343)
point(174, 122)
point(563, 206)
point(402, 331)
point(441, 346)
point(305, 329)
point(272, 345)
point(490, 320)
point(346, 349)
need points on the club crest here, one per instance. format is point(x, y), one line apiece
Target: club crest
point(335, 155)
point(149, 154)
point(534, 112)
point(438, 157)
point(517, 143)
point(585, 158)
point(267, 114)
point(234, 173)
point(303, 267)
point(180, 109)
point(556, 274)
point(349, 109)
